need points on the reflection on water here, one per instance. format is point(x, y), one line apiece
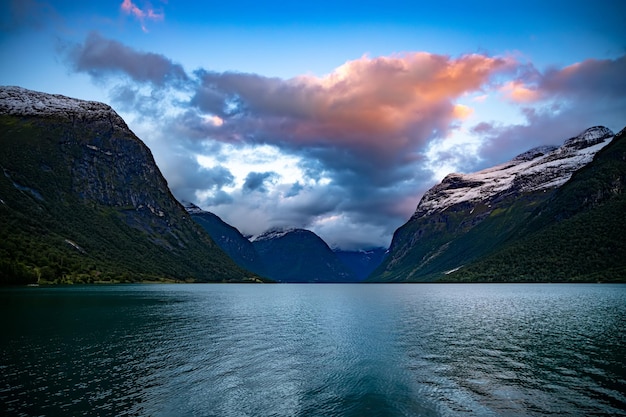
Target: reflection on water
point(314, 350)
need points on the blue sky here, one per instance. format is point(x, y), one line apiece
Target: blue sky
point(333, 116)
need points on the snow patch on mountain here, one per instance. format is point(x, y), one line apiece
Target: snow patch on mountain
point(18, 101)
point(191, 208)
point(275, 233)
point(540, 168)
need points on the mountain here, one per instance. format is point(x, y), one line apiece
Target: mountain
point(283, 255)
point(228, 238)
point(575, 235)
point(82, 200)
point(363, 262)
point(468, 217)
point(298, 255)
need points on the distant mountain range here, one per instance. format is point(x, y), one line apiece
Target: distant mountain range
point(287, 255)
point(81, 200)
point(550, 214)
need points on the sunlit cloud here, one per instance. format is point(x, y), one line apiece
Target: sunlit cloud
point(518, 92)
point(147, 13)
point(462, 111)
point(376, 107)
point(214, 120)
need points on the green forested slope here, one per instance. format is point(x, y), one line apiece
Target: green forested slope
point(81, 200)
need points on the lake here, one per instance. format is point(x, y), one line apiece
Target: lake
point(314, 350)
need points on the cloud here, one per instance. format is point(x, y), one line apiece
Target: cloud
point(375, 107)
point(256, 181)
point(520, 93)
point(558, 104)
point(358, 134)
point(591, 78)
point(349, 154)
point(187, 177)
point(101, 57)
point(148, 13)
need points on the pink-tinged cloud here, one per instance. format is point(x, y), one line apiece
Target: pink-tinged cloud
point(384, 108)
point(589, 78)
point(519, 92)
point(141, 15)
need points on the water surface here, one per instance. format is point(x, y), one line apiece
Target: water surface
point(314, 350)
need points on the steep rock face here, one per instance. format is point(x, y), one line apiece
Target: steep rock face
point(228, 238)
point(82, 198)
point(469, 215)
point(298, 255)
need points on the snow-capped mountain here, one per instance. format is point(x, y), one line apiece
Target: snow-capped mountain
point(470, 216)
point(540, 168)
point(274, 233)
point(23, 102)
point(299, 255)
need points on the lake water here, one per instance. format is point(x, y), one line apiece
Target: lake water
point(314, 350)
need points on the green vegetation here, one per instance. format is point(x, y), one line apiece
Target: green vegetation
point(72, 213)
point(449, 239)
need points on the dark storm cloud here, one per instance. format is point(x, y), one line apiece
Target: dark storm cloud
point(186, 176)
point(99, 56)
point(256, 181)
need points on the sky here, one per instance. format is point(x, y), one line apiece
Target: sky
point(330, 116)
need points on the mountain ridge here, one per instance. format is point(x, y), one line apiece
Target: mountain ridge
point(280, 254)
point(469, 216)
point(537, 169)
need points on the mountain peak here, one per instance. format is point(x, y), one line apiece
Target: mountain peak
point(535, 153)
point(589, 137)
point(275, 233)
point(18, 101)
point(547, 215)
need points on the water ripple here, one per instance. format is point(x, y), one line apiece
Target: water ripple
point(315, 350)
